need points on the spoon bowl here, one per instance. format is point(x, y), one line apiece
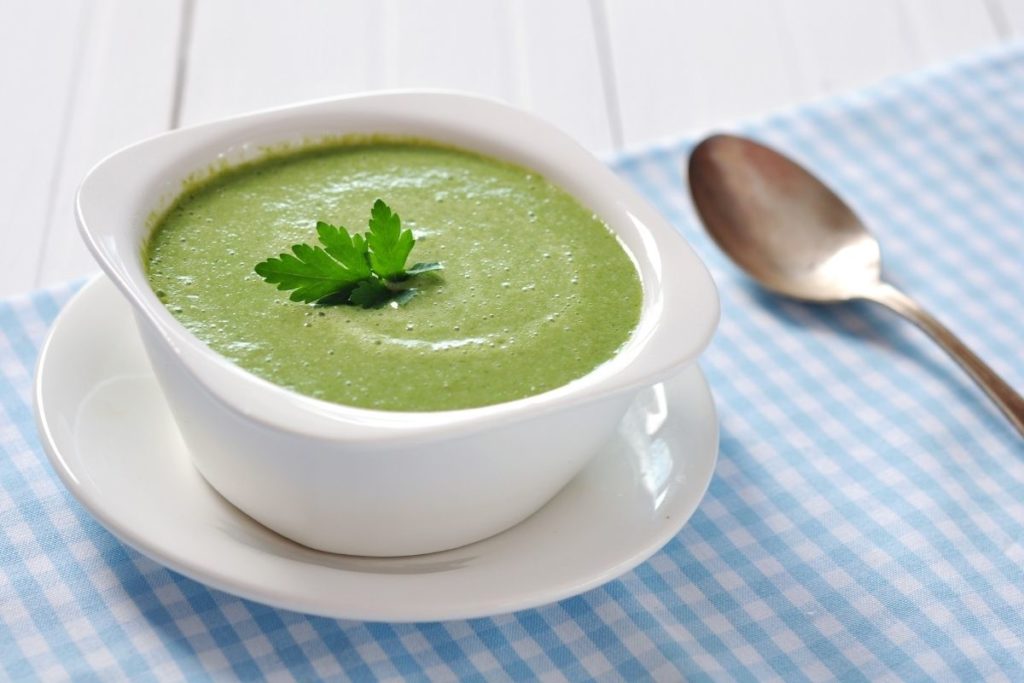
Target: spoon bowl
point(796, 237)
point(792, 234)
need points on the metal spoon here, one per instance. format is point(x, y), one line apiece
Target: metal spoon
point(793, 235)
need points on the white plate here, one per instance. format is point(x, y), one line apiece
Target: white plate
point(113, 442)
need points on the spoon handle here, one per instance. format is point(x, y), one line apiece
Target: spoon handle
point(1001, 393)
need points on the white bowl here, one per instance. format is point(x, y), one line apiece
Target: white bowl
point(365, 482)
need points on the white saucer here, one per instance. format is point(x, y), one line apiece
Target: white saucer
point(111, 438)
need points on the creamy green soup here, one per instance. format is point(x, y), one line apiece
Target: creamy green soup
point(536, 291)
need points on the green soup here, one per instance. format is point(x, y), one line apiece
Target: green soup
point(535, 293)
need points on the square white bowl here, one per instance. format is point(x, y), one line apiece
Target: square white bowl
point(367, 482)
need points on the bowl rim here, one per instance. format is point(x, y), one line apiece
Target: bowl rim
point(648, 356)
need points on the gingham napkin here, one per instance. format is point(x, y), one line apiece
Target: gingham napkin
point(866, 521)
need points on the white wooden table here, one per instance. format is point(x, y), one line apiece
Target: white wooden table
point(80, 78)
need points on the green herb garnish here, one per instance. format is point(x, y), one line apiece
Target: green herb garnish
point(365, 271)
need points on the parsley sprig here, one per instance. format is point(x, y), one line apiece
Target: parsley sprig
point(362, 270)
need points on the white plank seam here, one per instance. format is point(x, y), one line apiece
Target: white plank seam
point(181, 71)
point(57, 169)
point(997, 13)
point(605, 61)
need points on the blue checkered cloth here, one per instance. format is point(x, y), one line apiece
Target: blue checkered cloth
point(866, 521)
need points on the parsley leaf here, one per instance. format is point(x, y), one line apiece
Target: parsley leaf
point(349, 250)
point(366, 271)
point(419, 268)
point(370, 294)
point(389, 244)
point(311, 272)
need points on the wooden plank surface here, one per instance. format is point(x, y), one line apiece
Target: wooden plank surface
point(125, 93)
point(674, 73)
point(1008, 16)
point(37, 86)
point(612, 73)
point(243, 56)
point(940, 28)
point(536, 55)
point(842, 44)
